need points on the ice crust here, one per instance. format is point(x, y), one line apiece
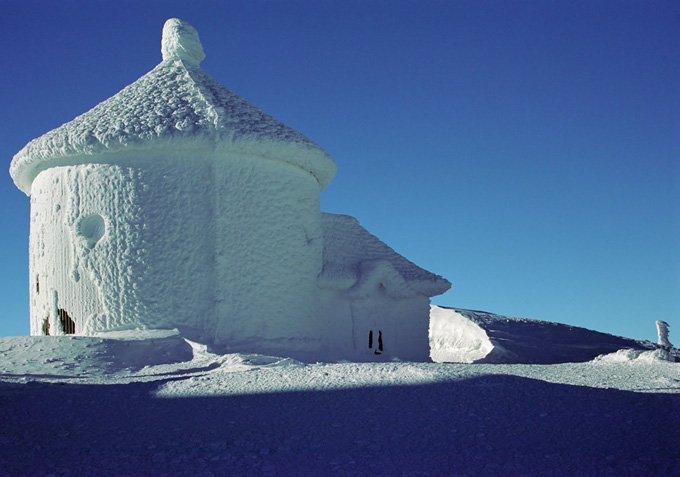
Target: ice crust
point(120, 245)
point(176, 106)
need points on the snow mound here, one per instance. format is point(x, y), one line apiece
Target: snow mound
point(467, 336)
point(636, 356)
point(83, 356)
point(456, 339)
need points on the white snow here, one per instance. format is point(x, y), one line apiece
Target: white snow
point(355, 260)
point(180, 42)
point(638, 356)
point(467, 336)
point(455, 338)
point(157, 404)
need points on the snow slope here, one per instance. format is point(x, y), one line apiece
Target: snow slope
point(118, 405)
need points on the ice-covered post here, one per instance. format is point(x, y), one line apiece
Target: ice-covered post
point(662, 329)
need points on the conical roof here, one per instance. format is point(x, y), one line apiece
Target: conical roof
point(175, 106)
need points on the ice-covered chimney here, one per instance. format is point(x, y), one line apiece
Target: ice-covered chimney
point(180, 42)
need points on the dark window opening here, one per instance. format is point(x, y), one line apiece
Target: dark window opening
point(380, 342)
point(37, 284)
point(67, 323)
point(46, 326)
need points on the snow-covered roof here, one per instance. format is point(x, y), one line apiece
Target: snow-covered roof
point(178, 106)
point(357, 261)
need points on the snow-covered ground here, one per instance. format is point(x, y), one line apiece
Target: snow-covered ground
point(154, 403)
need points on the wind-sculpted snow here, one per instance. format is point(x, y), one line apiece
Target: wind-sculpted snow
point(466, 336)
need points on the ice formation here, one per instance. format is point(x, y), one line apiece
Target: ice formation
point(176, 203)
point(662, 329)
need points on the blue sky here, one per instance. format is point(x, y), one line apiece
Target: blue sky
point(528, 151)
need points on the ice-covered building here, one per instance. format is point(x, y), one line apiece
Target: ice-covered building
point(176, 203)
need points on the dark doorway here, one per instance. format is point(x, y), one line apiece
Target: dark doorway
point(379, 349)
point(67, 323)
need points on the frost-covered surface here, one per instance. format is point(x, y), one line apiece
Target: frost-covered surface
point(179, 243)
point(164, 406)
point(357, 261)
point(466, 336)
point(176, 106)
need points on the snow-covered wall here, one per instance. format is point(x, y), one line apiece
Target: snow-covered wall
point(268, 255)
point(375, 328)
point(180, 240)
point(373, 302)
point(122, 243)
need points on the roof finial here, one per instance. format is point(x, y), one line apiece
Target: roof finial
point(180, 42)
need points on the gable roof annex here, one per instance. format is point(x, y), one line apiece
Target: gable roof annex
point(358, 262)
point(175, 106)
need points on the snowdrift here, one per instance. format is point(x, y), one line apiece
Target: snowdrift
point(467, 336)
point(107, 353)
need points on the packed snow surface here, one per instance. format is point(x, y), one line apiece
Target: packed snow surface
point(157, 404)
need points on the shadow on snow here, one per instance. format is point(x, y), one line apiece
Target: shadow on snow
point(491, 425)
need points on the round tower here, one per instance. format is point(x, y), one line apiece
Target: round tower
point(176, 203)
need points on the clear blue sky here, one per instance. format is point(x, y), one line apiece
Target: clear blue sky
point(528, 151)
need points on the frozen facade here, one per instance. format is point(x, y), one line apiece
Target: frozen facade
point(175, 203)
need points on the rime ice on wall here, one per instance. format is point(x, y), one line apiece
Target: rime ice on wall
point(175, 203)
point(268, 251)
point(122, 244)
